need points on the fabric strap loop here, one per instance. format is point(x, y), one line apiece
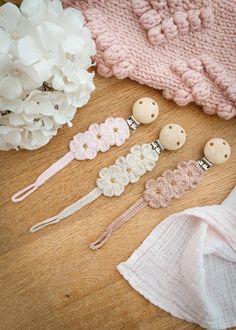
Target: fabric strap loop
point(87, 199)
point(53, 169)
point(117, 223)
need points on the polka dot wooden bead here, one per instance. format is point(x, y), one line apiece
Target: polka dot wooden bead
point(172, 137)
point(145, 110)
point(217, 151)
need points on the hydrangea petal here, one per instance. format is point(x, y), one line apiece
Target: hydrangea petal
point(28, 50)
point(10, 13)
point(10, 87)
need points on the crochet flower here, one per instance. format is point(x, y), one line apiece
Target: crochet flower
point(177, 182)
point(112, 180)
point(130, 165)
point(145, 156)
point(193, 173)
point(118, 129)
point(158, 192)
point(83, 146)
point(101, 136)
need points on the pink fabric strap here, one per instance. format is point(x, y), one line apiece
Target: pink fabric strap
point(118, 222)
point(53, 169)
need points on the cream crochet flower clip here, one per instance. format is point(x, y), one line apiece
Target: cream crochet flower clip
point(130, 165)
point(145, 156)
point(112, 181)
point(127, 169)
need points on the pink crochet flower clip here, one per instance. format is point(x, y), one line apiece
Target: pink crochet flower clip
point(190, 172)
point(158, 192)
point(101, 137)
point(172, 184)
point(117, 129)
point(84, 146)
point(98, 137)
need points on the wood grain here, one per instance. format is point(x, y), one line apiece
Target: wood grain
point(51, 279)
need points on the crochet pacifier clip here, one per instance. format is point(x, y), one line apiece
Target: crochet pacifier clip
point(113, 179)
point(171, 184)
point(99, 137)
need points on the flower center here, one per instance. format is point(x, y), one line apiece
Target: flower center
point(15, 73)
point(98, 136)
point(189, 173)
point(113, 180)
point(128, 170)
point(173, 183)
point(158, 191)
point(115, 129)
point(48, 54)
point(85, 146)
point(141, 156)
point(14, 35)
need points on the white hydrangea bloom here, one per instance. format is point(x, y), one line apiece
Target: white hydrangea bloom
point(44, 56)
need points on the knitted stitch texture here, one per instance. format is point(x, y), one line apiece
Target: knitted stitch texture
point(186, 48)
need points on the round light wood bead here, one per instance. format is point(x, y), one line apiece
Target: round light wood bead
point(172, 137)
point(217, 151)
point(145, 110)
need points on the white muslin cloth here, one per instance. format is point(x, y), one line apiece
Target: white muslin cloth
point(187, 265)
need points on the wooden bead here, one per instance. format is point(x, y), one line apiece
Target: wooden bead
point(172, 137)
point(145, 110)
point(217, 151)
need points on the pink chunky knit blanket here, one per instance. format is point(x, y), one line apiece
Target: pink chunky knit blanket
point(186, 48)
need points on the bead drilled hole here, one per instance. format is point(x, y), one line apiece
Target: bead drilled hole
point(170, 127)
point(115, 129)
point(85, 146)
point(182, 131)
point(152, 115)
point(140, 102)
point(226, 155)
point(141, 157)
point(224, 143)
point(153, 103)
point(178, 143)
point(98, 136)
point(113, 180)
point(211, 144)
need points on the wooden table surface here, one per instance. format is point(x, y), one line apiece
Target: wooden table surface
point(51, 279)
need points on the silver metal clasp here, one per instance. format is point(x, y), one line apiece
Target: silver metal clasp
point(204, 164)
point(132, 123)
point(157, 146)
